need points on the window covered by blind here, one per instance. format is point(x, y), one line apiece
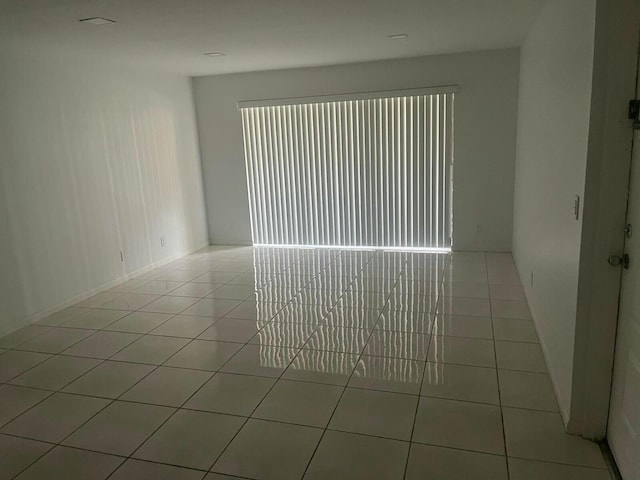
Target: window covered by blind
point(373, 172)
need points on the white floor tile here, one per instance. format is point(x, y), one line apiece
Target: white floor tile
point(426, 462)
point(527, 390)
point(463, 351)
point(463, 425)
point(520, 356)
point(520, 469)
point(388, 374)
point(242, 362)
point(460, 382)
point(463, 326)
point(537, 435)
point(514, 330)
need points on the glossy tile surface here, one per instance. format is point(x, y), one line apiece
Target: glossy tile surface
point(427, 461)
point(460, 382)
point(203, 355)
point(265, 363)
point(102, 344)
point(56, 372)
point(18, 453)
point(388, 374)
point(269, 450)
point(187, 326)
point(120, 428)
point(167, 386)
point(191, 439)
point(383, 414)
point(345, 456)
point(143, 470)
point(232, 394)
point(13, 363)
point(464, 425)
point(72, 464)
point(533, 470)
point(15, 400)
point(55, 418)
point(109, 379)
point(539, 435)
point(299, 402)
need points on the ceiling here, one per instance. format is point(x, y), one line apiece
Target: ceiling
point(173, 35)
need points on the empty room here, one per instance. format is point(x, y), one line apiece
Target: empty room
point(341, 239)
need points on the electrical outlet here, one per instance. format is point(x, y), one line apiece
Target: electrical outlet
point(121, 256)
point(162, 241)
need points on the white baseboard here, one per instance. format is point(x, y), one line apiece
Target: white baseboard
point(94, 291)
point(563, 412)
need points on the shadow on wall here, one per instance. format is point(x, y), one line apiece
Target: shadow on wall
point(94, 165)
point(12, 295)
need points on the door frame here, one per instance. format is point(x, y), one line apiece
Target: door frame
point(604, 216)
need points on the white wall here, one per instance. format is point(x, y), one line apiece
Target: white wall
point(485, 128)
point(553, 128)
point(95, 159)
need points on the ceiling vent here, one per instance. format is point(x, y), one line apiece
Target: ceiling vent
point(97, 21)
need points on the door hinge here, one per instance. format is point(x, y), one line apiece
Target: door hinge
point(634, 113)
point(628, 230)
point(634, 109)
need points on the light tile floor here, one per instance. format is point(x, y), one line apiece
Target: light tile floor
point(287, 364)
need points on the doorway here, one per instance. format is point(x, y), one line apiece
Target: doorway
point(623, 430)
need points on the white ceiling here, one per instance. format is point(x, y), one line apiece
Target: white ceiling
point(172, 35)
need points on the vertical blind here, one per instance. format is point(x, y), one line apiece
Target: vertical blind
point(374, 172)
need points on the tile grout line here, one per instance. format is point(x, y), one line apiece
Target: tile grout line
point(109, 403)
point(424, 372)
point(308, 426)
point(259, 403)
point(59, 390)
point(213, 372)
point(155, 462)
point(177, 409)
point(346, 385)
point(62, 353)
point(387, 294)
point(495, 356)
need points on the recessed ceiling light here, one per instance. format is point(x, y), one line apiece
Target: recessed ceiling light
point(214, 54)
point(97, 21)
point(398, 36)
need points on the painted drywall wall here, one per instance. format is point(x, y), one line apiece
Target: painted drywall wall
point(553, 126)
point(96, 159)
point(485, 132)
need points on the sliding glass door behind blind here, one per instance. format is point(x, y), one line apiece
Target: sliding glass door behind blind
point(373, 172)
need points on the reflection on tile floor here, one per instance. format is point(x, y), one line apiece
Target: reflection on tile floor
point(269, 363)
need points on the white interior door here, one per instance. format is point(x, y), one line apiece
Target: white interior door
point(624, 416)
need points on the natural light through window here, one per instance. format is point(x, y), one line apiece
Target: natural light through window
point(360, 172)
